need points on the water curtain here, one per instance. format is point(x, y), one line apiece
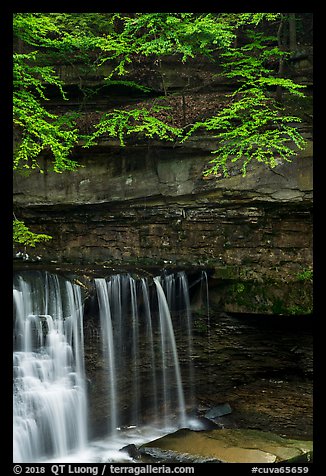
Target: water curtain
point(49, 397)
point(145, 328)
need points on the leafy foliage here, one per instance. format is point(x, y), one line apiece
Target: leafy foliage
point(23, 235)
point(177, 33)
point(121, 123)
point(305, 275)
point(253, 126)
point(39, 130)
point(47, 39)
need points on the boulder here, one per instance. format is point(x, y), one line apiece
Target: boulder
point(218, 411)
point(131, 450)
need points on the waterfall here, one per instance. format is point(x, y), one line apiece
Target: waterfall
point(135, 354)
point(150, 343)
point(144, 361)
point(49, 399)
point(184, 292)
point(108, 347)
point(168, 345)
point(150, 340)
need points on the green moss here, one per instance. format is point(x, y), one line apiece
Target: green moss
point(226, 272)
point(200, 326)
point(278, 307)
point(305, 275)
point(244, 294)
point(292, 298)
point(239, 288)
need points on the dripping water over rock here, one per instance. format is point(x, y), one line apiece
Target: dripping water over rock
point(50, 411)
point(143, 344)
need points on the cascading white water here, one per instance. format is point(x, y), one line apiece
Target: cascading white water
point(146, 330)
point(185, 306)
point(49, 399)
point(135, 353)
point(119, 300)
point(108, 347)
point(168, 345)
point(176, 289)
point(150, 340)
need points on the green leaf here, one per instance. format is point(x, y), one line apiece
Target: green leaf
point(24, 236)
point(121, 123)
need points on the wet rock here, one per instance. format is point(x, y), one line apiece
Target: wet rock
point(301, 459)
point(167, 456)
point(255, 232)
point(230, 446)
point(218, 411)
point(131, 451)
point(202, 423)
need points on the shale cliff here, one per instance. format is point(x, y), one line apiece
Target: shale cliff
point(148, 206)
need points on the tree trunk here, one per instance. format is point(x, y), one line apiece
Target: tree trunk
point(292, 32)
point(281, 62)
point(183, 102)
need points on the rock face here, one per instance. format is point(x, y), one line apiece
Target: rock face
point(259, 366)
point(249, 372)
point(148, 204)
point(137, 208)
